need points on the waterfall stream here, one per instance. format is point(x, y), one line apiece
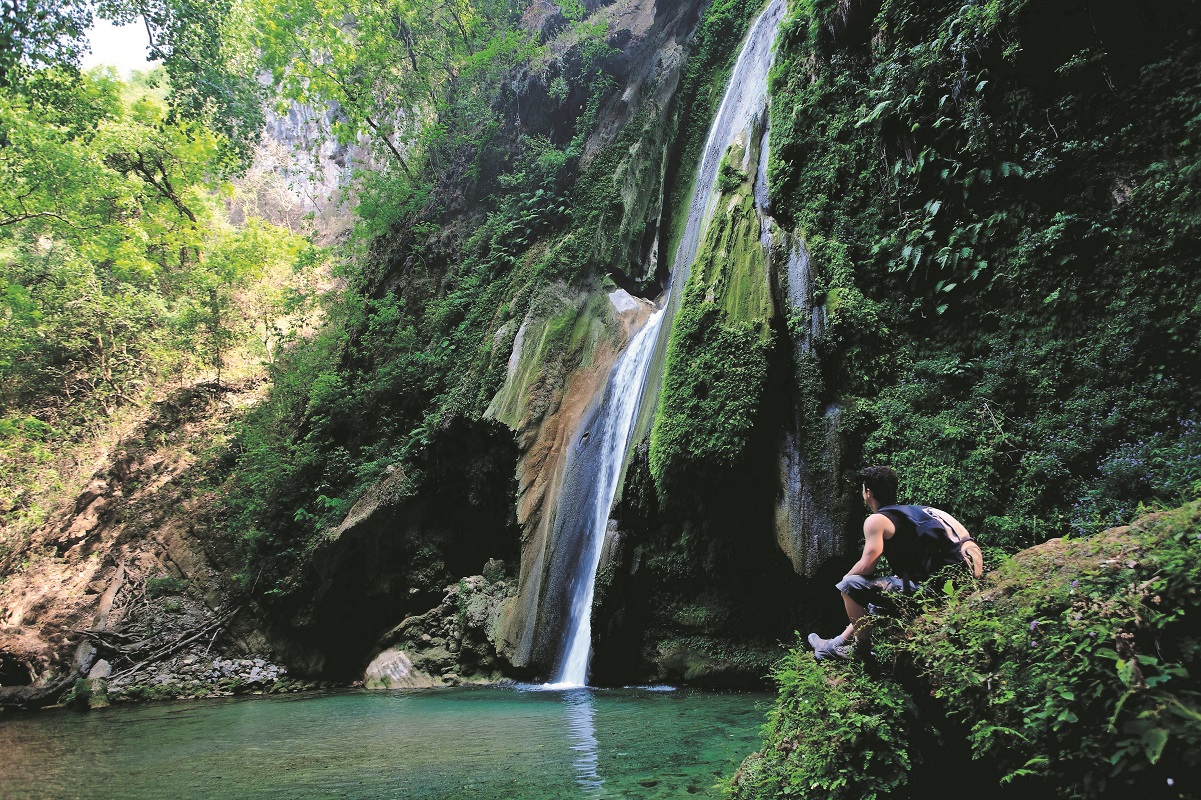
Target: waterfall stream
point(609, 437)
point(601, 449)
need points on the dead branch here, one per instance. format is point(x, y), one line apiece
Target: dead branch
point(178, 644)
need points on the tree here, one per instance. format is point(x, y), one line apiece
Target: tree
point(392, 71)
point(40, 33)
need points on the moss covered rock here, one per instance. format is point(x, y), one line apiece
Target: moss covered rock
point(717, 356)
point(1072, 670)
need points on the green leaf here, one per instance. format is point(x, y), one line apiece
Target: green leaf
point(875, 114)
point(1154, 741)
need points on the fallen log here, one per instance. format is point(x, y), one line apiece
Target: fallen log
point(30, 697)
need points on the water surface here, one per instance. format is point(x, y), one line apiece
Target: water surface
point(479, 743)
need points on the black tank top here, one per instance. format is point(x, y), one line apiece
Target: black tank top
point(918, 555)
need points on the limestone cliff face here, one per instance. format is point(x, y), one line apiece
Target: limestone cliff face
point(729, 415)
point(632, 147)
point(552, 387)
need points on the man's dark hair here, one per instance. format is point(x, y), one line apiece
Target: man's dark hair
point(883, 483)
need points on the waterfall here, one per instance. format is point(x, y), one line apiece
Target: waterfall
point(742, 108)
point(599, 453)
point(609, 437)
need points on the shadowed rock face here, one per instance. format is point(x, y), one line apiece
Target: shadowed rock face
point(400, 546)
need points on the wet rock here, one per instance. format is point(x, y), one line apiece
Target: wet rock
point(457, 635)
point(494, 570)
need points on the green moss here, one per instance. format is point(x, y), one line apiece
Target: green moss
point(1073, 670)
point(716, 365)
point(560, 335)
point(996, 220)
point(712, 659)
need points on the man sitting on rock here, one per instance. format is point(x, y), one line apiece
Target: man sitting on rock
point(918, 540)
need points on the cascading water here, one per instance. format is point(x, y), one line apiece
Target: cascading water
point(602, 448)
point(609, 435)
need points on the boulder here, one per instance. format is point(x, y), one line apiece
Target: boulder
point(393, 669)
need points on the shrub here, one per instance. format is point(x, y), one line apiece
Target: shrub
point(835, 732)
point(1078, 664)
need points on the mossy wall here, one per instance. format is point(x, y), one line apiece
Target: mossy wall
point(717, 353)
point(559, 334)
point(996, 198)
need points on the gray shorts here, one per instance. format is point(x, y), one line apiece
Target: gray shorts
point(880, 592)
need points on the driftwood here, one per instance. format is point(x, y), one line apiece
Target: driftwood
point(106, 599)
point(178, 644)
point(26, 697)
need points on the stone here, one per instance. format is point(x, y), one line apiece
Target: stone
point(85, 656)
point(393, 669)
point(101, 669)
point(494, 570)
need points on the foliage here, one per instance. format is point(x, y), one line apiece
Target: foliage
point(1079, 665)
point(119, 267)
point(39, 34)
point(1070, 670)
point(411, 80)
point(209, 57)
point(164, 584)
point(995, 216)
point(202, 47)
point(835, 731)
point(1163, 469)
point(416, 343)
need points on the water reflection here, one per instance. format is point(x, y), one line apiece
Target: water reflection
point(581, 733)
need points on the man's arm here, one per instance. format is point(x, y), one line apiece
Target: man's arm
point(873, 545)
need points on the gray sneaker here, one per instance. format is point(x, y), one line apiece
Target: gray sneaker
point(826, 648)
